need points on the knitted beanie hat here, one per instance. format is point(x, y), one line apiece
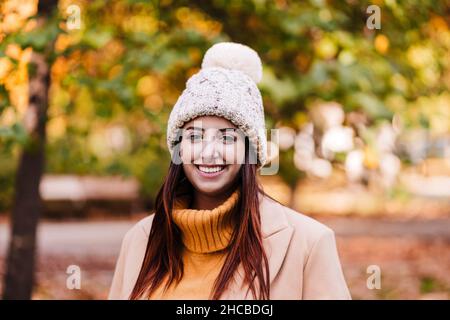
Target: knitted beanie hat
point(226, 87)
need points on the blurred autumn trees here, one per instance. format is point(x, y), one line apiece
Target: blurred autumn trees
point(333, 85)
point(115, 79)
point(19, 278)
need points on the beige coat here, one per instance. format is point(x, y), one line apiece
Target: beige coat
point(303, 259)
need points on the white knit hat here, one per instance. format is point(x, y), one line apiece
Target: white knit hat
point(225, 87)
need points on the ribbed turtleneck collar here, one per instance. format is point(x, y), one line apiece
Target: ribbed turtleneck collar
point(205, 231)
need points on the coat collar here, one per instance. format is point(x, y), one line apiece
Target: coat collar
point(277, 233)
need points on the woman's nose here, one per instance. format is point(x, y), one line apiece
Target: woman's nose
point(209, 150)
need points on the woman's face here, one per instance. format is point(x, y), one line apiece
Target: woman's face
point(212, 151)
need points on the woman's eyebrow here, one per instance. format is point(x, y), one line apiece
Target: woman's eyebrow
point(195, 128)
point(227, 129)
point(202, 129)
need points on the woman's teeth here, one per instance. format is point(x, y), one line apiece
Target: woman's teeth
point(210, 169)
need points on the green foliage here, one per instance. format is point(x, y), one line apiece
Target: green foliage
point(310, 50)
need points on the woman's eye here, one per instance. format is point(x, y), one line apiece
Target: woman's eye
point(229, 139)
point(226, 139)
point(195, 137)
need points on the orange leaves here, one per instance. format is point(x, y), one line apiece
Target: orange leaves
point(15, 13)
point(381, 43)
point(15, 79)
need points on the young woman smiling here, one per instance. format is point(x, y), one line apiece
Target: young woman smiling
point(214, 232)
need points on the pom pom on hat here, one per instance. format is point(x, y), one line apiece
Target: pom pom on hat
point(232, 55)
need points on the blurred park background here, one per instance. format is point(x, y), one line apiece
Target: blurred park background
point(363, 112)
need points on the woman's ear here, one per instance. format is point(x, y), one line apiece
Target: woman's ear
point(177, 152)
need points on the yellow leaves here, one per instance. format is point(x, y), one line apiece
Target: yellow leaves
point(8, 117)
point(15, 13)
point(24, 8)
point(22, 56)
point(56, 128)
point(13, 51)
point(5, 67)
point(396, 102)
point(300, 119)
point(16, 79)
point(10, 23)
point(18, 96)
point(102, 61)
point(192, 19)
point(420, 56)
point(325, 15)
point(84, 107)
point(147, 85)
point(371, 160)
point(62, 42)
point(439, 24)
point(399, 82)
point(436, 108)
point(59, 99)
point(134, 17)
point(281, 4)
point(59, 69)
point(90, 60)
point(141, 23)
point(154, 102)
point(112, 50)
point(381, 43)
point(182, 14)
point(115, 71)
point(346, 57)
point(424, 59)
point(30, 25)
point(326, 48)
point(25, 56)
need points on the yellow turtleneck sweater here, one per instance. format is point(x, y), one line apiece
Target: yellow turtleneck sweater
point(206, 235)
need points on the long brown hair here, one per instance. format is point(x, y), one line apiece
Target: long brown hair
point(164, 247)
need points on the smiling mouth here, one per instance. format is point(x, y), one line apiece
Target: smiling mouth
point(209, 169)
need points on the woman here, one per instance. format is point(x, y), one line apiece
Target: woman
point(214, 233)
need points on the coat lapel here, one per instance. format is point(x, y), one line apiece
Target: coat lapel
point(277, 234)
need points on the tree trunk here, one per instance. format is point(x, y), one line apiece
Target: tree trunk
point(19, 277)
point(27, 202)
